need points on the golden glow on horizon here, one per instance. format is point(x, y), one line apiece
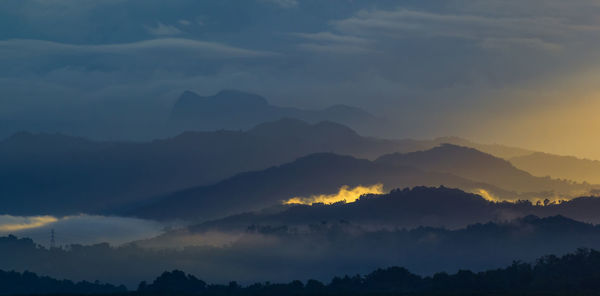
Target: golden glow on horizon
point(344, 194)
point(487, 196)
point(561, 119)
point(28, 223)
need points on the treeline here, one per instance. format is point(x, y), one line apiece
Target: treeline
point(570, 274)
point(12, 283)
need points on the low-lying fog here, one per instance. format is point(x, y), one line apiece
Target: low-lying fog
point(80, 229)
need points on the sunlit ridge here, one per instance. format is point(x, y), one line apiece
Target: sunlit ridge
point(536, 201)
point(344, 194)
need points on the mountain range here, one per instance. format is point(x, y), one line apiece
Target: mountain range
point(60, 175)
point(559, 166)
point(314, 174)
point(475, 165)
point(449, 165)
point(237, 110)
point(401, 208)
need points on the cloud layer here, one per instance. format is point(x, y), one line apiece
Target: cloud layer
point(435, 68)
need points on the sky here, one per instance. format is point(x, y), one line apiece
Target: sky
point(521, 73)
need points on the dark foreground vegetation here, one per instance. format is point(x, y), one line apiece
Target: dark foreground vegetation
point(14, 283)
point(572, 274)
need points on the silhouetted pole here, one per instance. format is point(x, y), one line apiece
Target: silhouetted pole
point(52, 241)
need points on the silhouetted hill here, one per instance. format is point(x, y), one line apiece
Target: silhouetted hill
point(319, 250)
point(537, 163)
point(314, 174)
point(557, 166)
point(407, 208)
point(28, 283)
point(482, 167)
point(232, 109)
point(502, 151)
point(58, 174)
point(449, 165)
point(575, 273)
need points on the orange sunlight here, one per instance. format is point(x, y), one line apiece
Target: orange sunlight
point(29, 223)
point(345, 194)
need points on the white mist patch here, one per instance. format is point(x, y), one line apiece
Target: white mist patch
point(80, 229)
point(345, 194)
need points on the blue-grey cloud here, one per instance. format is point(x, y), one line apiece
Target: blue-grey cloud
point(17, 48)
point(420, 63)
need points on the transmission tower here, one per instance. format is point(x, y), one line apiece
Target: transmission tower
point(52, 240)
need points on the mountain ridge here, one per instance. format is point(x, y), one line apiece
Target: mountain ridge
point(244, 110)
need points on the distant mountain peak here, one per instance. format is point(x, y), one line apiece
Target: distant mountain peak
point(239, 110)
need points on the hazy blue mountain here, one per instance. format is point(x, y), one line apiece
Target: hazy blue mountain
point(539, 164)
point(232, 109)
point(306, 176)
point(448, 165)
point(482, 167)
point(502, 151)
point(558, 166)
point(58, 174)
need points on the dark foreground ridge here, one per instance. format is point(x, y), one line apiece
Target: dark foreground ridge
point(572, 274)
point(577, 272)
point(28, 283)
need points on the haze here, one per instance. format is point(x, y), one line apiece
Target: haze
point(299, 147)
point(520, 73)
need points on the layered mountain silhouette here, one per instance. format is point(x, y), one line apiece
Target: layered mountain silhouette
point(232, 109)
point(58, 174)
point(406, 208)
point(449, 165)
point(558, 166)
point(482, 167)
point(313, 174)
point(501, 151)
point(539, 164)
